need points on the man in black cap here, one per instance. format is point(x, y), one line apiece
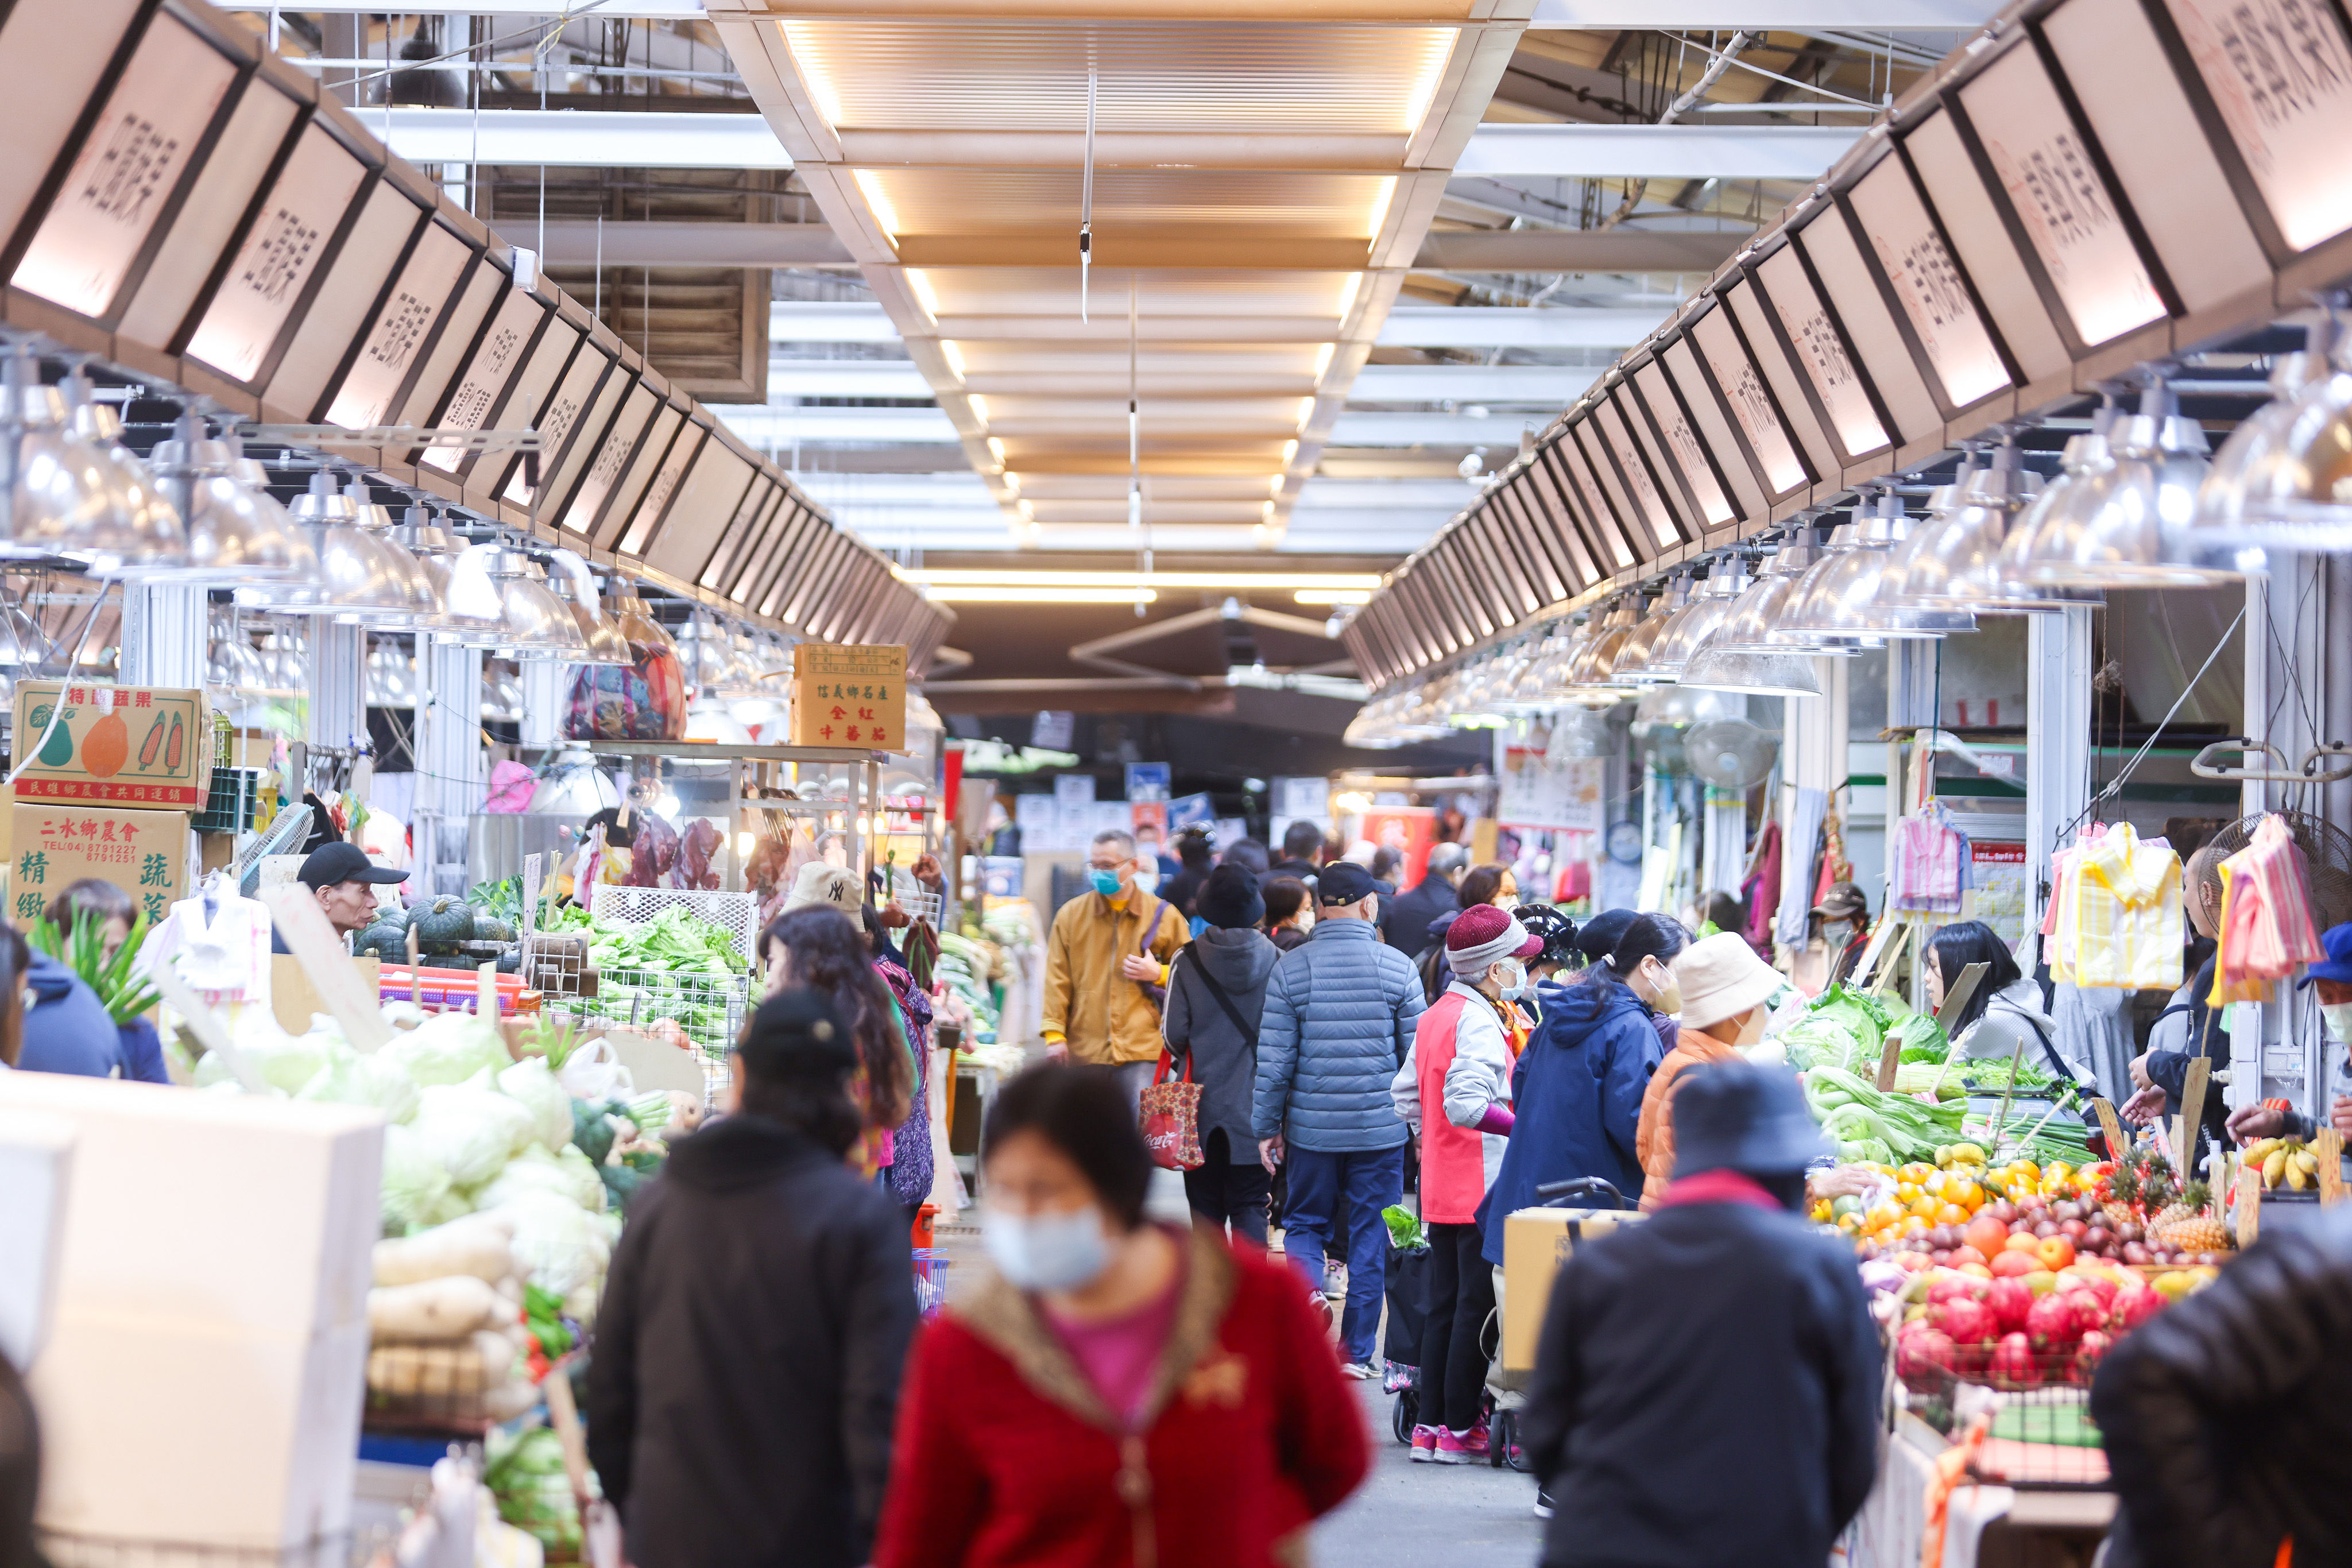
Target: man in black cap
point(1340, 1011)
point(746, 1378)
point(344, 881)
point(1708, 1383)
point(1844, 905)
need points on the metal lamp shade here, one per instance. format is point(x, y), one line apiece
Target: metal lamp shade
point(1848, 599)
point(358, 580)
point(1952, 565)
point(571, 582)
point(1709, 608)
point(2127, 524)
point(2283, 479)
point(1756, 612)
point(144, 529)
point(237, 534)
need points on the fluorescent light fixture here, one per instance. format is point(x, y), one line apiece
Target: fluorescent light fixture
point(878, 197)
point(1289, 453)
point(996, 449)
point(1011, 482)
point(1348, 292)
point(1028, 513)
point(954, 357)
point(1379, 213)
point(1242, 581)
point(925, 295)
point(1333, 596)
point(1274, 486)
point(801, 40)
point(979, 408)
point(978, 594)
point(1323, 359)
point(1265, 510)
point(1306, 411)
point(1437, 48)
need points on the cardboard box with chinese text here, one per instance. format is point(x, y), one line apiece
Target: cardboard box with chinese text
point(847, 694)
point(149, 747)
point(144, 853)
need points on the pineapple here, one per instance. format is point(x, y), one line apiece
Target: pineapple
point(2194, 1228)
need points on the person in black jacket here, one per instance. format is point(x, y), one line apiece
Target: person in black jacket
point(1216, 993)
point(1707, 1381)
point(1405, 926)
point(2227, 1416)
point(745, 1378)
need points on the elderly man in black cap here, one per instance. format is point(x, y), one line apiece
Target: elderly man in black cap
point(1708, 1383)
point(748, 1349)
point(344, 882)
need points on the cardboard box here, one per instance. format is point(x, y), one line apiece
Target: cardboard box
point(210, 1330)
point(850, 695)
point(1536, 1242)
point(144, 853)
point(294, 1000)
point(131, 746)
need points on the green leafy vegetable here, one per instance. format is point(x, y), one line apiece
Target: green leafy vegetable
point(116, 978)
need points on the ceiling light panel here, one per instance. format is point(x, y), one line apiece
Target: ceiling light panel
point(1936, 302)
point(949, 73)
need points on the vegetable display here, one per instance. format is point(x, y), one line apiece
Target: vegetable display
point(1875, 1128)
point(119, 981)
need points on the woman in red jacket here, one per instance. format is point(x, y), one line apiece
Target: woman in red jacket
point(1113, 1391)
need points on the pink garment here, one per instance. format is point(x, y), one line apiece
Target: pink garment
point(1762, 891)
point(1119, 1354)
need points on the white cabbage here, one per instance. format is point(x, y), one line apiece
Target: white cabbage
point(450, 1048)
point(472, 1129)
point(559, 1245)
point(529, 1084)
point(414, 1184)
point(567, 1175)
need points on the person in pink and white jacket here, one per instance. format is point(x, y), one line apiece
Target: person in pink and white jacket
point(1460, 1064)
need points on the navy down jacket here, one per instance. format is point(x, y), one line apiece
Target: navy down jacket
point(1340, 1012)
point(1578, 1098)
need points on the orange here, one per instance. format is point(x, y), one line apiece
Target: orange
point(1907, 1193)
point(1951, 1214)
point(1938, 1185)
point(1966, 1193)
point(1924, 1207)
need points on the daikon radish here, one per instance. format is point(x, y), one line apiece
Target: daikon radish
point(480, 1245)
point(442, 1309)
point(440, 1371)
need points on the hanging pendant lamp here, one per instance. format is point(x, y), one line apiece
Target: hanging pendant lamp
point(2125, 523)
point(1756, 612)
point(1952, 565)
point(1709, 607)
point(237, 534)
point(571, 582)
point(358, 582)
point(2283, 479)
point(1846, 597)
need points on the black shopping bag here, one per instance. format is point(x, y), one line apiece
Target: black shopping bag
point(1407, 1285)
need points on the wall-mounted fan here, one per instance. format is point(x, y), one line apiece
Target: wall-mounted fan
point(1731, 753)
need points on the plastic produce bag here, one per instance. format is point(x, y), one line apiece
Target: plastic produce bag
point(642, 700)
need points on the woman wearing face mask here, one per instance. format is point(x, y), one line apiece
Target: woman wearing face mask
point(1111, 1390)
point(1577, 1091)
point(1459, 1064)
point(1481, 884)
point(1722, 992)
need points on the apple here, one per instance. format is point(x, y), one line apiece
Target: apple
point(2023, 1241)
point(2057, 1252)
point(2012, 1264)
point(1963, 1256)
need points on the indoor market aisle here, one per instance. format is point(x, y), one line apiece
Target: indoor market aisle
point(1405, 1514)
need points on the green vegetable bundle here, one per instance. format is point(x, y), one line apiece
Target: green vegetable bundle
point(1855, 1113)
point(117, 980)
point(676, 941)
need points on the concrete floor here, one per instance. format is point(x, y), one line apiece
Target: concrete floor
point(1415, 1516)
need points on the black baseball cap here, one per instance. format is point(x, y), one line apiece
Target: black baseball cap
point(330, 865)
point(796, 1032)
point(1344, 881)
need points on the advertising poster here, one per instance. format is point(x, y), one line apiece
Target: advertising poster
point(1411, 831)
point(1539, 790)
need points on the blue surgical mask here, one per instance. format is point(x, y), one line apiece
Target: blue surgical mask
point(1105, 881)
point(1047, 1252)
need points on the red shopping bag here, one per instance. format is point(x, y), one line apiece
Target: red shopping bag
point(1171, 1117)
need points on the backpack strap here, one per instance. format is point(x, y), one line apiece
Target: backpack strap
point(1223, 997)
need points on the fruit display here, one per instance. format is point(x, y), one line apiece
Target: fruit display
point(2021, 1218)
point(2284, 1163)
point(2025, 1330)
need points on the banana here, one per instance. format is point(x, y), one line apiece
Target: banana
point(2295, 1180)
point(2305, 1161)
point(2261, 1151)
point(2274, 1166)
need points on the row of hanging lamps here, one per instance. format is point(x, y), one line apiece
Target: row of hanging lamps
point(506, 605)
point(1632, 666)
point(1847, 600)
point(2283, 479)
point(1950, 565)
point(575, 586)
point(1697, 623)
point(238, 533)
point(1749, 622)
point(1593, 662)
point(141, 528)
point(357, 581)
point(2123, 521)
point(64, 492)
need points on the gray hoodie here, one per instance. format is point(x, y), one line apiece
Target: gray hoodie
point(1224, 1059)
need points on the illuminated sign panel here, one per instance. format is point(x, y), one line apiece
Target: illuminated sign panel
point(1929, 285)
point(2280, 72)
point(1751, 403)
point(287, 239)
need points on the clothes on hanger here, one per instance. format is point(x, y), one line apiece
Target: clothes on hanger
point(1930, 859)
point(2266, 928)
point(2115, 919)
point(218, 943)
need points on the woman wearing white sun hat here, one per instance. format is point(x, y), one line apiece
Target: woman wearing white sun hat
point(1726, 990)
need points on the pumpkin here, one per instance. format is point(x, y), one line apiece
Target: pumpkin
point(489, 928)
point(442, 923)
point(388, 940)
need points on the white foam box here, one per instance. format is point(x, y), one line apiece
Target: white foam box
point(209, 1333)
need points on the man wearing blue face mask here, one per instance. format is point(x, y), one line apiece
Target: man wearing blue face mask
point(1106, 967)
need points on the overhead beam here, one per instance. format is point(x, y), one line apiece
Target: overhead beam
point(1568, 250)
point(1553, 386)
point(686, 245)
point(1656, 151)
point(1514, 326)
point(661, 140)
point(764, 426)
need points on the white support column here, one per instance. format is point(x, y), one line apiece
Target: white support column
point(545, 685)
point(2057, 740)
point(338, 683)
point(1812, 756)
point(165, 634)
point(448, 758)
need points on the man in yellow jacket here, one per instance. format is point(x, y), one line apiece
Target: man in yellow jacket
point(1106, 947)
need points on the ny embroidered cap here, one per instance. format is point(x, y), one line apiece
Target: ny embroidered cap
point(332, 865)
point(1482, 936)
point(2337, 964)
point(831, 885)
point(1736, 1115)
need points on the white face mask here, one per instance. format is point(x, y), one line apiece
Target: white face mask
point(1148, 881)
point(1511, 981)
point(2338, 1020)
point(1507, 901)
point(1047, 1252)
point(1665, 992)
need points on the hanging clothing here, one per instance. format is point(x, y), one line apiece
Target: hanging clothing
point(2266, 929)
point(1928, 860)
point(2127, 920)
point(1797, 871)
point(223, 956)
point(1761, 891)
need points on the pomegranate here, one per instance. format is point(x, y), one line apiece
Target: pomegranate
point(2134, 1253)
point(2098, 1238)
point(2073, 1230)
point(2045, 1230)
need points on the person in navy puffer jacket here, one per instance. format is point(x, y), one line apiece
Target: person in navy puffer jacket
point(1340, 1011)
point(1577, 1090)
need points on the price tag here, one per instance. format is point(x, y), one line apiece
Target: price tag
point(2117, 1144)
point(1890, 1057)
point(2192, 1107)
point(2250, 1203)
point(2329, 1148)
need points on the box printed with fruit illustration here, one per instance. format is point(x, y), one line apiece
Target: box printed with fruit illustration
point(135, 745)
